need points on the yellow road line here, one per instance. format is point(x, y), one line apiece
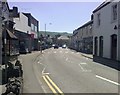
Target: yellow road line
point(54, 85)
point(53, 90)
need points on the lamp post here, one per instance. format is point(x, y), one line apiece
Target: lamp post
point(46, 27)
point(45, 32)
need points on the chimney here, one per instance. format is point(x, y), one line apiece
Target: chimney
point(92, 17)
point(15, 11)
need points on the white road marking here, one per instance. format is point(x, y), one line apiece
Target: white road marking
point(107, 80)
point(72, 52)
point(55, 52)
point(83, 70)
point(43, 72)
point(66, 52)
point(40, 63)
point(83, 63)
point(77, 53)
point(87, 58)
point(60, 51)
point(66, 59)
point(81, 67)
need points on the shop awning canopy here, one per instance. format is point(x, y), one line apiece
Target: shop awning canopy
point(9, 35)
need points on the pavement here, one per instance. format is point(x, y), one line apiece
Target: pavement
point(87, 55)
point(2, 87)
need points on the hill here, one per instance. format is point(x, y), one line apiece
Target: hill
point(52, 34)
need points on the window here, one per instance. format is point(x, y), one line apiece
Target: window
point(32, 26)
point(114, 12)
point(95, 45)
point(86, 28)
point(98, 19)
point(90, 29)
point(101, 46)
point(35, 28)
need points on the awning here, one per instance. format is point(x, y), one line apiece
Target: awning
point(9, 35)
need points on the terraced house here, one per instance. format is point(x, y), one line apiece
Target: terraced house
point(106, 30)
point(83, 38)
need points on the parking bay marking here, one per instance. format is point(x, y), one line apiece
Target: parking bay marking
point(107, 80)
point(52, 85)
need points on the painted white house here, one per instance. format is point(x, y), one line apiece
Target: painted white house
point(106, 30)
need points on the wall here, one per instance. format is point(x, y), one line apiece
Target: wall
point(106, 29)
point(0, 33)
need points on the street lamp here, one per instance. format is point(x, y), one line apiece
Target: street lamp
point(45, 32)
point(46, 27)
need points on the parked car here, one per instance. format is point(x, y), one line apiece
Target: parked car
point(53, 45)
point(56, 47)
point(64, 46)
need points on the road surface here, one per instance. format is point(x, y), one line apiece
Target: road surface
point(66, 71)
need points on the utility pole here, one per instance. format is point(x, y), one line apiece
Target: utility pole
point(45, 30)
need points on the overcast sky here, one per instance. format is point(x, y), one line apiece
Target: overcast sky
point(63, 16)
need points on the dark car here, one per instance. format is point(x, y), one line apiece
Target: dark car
point(56, 47)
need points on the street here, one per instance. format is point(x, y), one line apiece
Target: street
point(66, 71)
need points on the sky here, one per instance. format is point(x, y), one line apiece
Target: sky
point(58, 16)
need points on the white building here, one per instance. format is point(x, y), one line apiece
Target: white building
point(21, 23)
point(106, 30)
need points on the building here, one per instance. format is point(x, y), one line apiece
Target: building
point(8, 38)
point(0, 32)
point(106, 31)
point(63, 40)
point(22, 30)
point(34, 30)
point(82, 38)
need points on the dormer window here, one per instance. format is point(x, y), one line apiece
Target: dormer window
point(114, 12)
point(98, 19)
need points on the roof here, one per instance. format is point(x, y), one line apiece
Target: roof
point(86, 24)
point(30, 15)
point(102, 5)
point(63, 38)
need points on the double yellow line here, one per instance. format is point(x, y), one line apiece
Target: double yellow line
point(52, 85)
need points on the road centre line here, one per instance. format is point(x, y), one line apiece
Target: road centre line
point(107, 80)
point(50, 86)
point(54, 85)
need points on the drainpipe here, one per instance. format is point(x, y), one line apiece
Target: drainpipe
point(118, 32)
